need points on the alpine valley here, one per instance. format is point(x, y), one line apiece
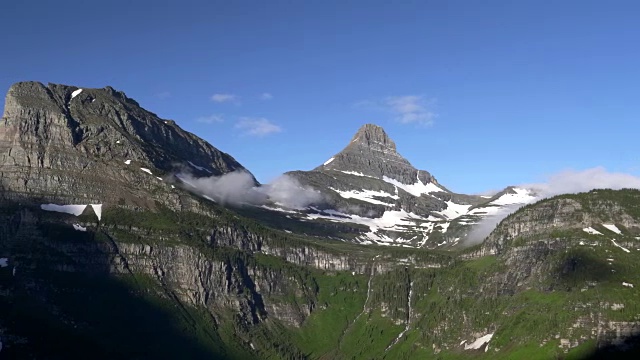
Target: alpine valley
point(120, 240)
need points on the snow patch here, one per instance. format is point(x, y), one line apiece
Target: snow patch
point(76, 93)
point(366, 195)
point(627, 284)
point(127, 162)
point(159, 178)
point(68, 209)
point(592, 231)
point(454, 210)
point(328, 162)
point(391, 220)
point(479, 342)
point(416, 189)
point(79, 228)
point(147, 171)
point(522, 196)
point(621, 247)
point(97, 208)
point(613, 228)
point(200, 167)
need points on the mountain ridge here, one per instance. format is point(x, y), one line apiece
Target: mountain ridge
point(179, 275)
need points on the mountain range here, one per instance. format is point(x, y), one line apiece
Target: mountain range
point(124, 236)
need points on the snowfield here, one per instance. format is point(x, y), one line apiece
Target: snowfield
point(592, 231)
point(479, 342)
point(367, 195)
point(613, 228)
point(68, 209)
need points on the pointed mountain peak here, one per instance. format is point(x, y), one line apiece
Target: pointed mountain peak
point(372, 153)
point(371, 134)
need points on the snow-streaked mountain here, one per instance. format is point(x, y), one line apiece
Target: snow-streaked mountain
point(378, 197)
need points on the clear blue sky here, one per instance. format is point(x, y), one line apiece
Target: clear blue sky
point(481, 94)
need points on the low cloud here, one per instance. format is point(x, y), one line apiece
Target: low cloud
point(266, 96)
point(222, 98)
point(211, 119)
point(239, 187)
point(257, 126)
point(565, 182)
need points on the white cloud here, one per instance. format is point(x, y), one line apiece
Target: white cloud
point(266, 96)
point(257, 126)
point(222, 98)
point(565, 182)
point(239, 187)
point(411, 109)
point(211, 119)
point(572, 181)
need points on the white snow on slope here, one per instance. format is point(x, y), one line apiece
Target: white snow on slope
point(356, 174)
point(444, 226)
point(488, 210)
point(366, 195)
point(390, 220)
point(592, 231)
point(613, 228)
point(479, 342)
point(200, 167)
point(627, 284)
point(328, 162)
point(416, 189)
point(69, 209)
point(4, 262)
point(454, 210)
point(147, 171)
point(621, 247)
point(97, 208)
point(127, 162)
point(76, 93)
point(522, 196)
point(79, 228)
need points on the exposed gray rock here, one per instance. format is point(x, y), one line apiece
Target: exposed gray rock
point(72, 149)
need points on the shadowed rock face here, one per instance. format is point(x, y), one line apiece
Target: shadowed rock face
point(372, 153)
point(68, 144)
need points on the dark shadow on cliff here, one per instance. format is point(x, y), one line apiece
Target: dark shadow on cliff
point(629, 349)
point(62, 302)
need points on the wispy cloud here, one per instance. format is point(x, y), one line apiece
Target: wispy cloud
point(222, 98)
point(565, 182)
point(408, 109)
point(163, 95)
point(257, 126)
point(412, 109)
point(266, 96)
point(214, 118)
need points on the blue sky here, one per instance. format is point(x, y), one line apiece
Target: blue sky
point(481, 94)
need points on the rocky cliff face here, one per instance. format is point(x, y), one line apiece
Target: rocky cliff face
point(71, 145)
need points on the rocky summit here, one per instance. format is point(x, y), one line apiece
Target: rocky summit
point(372, 153)
point(106, 254)
point(380, 198)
